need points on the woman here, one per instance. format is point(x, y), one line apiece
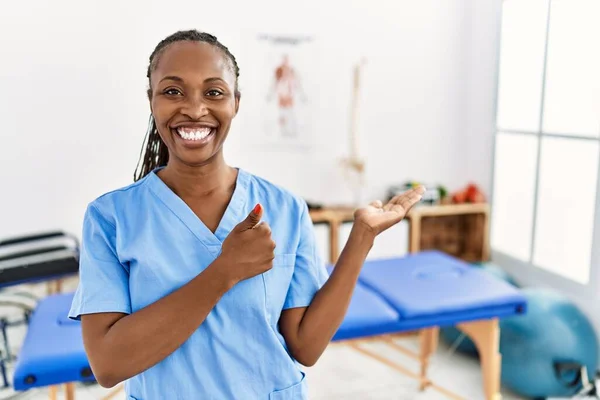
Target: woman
point(199, 280)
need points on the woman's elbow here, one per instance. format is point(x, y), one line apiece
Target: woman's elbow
point(309, 362)
point(107, 381)
point(306, 358)
point(105, 374)
point(106, 378)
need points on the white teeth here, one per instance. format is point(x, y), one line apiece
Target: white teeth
point(195, 134)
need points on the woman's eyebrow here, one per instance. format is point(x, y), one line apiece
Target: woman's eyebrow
point(213, 79)
point(172, 78)
point(178, 79)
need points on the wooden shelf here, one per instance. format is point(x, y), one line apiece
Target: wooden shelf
point(450, 209)
point(334, 217)
point(333, 214)
point(460, 230)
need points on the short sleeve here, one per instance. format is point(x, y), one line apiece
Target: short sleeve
point(309, 271)
point(103, 280)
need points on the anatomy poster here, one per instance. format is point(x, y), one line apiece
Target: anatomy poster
point(280, 81)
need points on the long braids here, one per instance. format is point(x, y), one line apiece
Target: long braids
point(154, 152)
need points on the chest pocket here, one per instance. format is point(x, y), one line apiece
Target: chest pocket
point(277, 282)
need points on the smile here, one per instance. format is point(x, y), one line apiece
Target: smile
point(195, 134)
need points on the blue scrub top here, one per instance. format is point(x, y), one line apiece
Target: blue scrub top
point(142, 242)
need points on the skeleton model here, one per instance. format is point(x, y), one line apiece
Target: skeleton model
point(353, 166)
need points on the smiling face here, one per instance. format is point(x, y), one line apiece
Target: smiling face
point(193, 99)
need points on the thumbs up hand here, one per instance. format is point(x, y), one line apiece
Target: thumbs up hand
point(248, 250)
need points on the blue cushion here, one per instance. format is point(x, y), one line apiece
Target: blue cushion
point(434, 285)
point(367, 315)
point(53, 351)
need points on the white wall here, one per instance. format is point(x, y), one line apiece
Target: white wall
point(74, 111)
point(482, 67)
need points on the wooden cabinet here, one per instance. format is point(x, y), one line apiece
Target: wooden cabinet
point(461, 230)
point(333, 217)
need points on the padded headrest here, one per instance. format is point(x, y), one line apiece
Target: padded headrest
point(35, 244)
point(37, 256)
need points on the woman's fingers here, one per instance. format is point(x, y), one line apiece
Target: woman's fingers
point(415, 196)
point(408, 202)
point(376, 204)
point(406, 199)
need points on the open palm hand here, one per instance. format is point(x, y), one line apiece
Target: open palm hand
point(377, 217)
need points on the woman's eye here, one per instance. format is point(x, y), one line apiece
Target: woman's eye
point(172, 92)
point(213, 93)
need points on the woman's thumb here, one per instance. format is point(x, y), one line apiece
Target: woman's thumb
point(253, 218)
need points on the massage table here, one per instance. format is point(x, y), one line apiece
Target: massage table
point(38, 257)
point(423, 292)
point(52, 352)
point(41, 257)
point(419, 292)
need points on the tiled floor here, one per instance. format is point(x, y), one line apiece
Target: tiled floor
point(343, 373)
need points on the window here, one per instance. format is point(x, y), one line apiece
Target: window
point(547, 145)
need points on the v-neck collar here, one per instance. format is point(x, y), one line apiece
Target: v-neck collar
point(234, 213)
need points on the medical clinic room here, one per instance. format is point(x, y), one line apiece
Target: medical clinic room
point(319, 200)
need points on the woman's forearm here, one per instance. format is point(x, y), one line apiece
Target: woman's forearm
point(136, 342)
point(326, 312)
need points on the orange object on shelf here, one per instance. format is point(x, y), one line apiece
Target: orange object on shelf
point(471, 194)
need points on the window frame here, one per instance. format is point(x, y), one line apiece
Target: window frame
point(527, 273)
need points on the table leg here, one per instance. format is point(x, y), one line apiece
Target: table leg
point(70, 391)
point(429, 342)
point(414, 234)
point(334, 241)
point(486, 336)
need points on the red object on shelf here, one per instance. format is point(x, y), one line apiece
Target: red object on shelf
point(471, 194)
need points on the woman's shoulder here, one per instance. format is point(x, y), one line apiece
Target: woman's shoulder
point(118, 200)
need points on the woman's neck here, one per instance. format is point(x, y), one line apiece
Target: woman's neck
point(198, 181)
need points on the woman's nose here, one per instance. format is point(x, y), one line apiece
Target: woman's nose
point(194, 107)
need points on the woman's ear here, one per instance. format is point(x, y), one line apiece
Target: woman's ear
point(149, 94)
point(238, 95)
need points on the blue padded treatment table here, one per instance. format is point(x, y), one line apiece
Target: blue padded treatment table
point(367, 315)
point(53, 351)
point(432, 288)
point(427, 290)
point(423, 290)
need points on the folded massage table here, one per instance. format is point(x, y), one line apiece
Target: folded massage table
point(41, 257)
point(53, 351)
point(422, 292)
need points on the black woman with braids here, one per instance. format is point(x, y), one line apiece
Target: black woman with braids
point(201, 280)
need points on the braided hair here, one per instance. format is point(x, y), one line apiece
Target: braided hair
point(154, 152)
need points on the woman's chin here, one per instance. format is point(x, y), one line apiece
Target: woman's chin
point(195, 158)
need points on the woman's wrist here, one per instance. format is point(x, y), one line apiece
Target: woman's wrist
point(222, 274)
point(361, 238)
